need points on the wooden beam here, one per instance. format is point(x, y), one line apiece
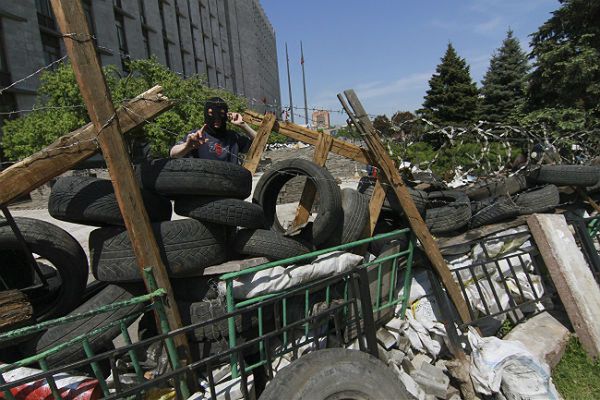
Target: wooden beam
point(309, 136)
point(258, 144)
point(81, 50)
point(15, 309)
point(387, 166)
point(310, 189)
point(69, 150)
point(377, 199)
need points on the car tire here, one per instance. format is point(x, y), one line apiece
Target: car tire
point(499, 210)
point(335, 374)
point(355, 216)
point(186, 247)
point(454, 214)
point(92, 201)
point(269, 244)
point(566, 175)
point(193, 176)
point(66, 288)
point(224, 211)
point(538, 200)
point(59, 334)
point(330, 199)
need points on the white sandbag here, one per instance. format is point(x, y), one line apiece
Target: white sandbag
point(506, 365)
point(420, 285)
point(276, 279)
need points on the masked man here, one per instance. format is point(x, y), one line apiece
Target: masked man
point(214, 141)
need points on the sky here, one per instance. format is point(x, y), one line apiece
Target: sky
point(387, 50)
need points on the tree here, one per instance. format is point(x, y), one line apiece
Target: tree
point(452, 97)
point(59, 91)
point(504, 85)
point(383, 124)
point(566, 50)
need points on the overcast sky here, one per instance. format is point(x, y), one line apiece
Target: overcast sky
point(387, 49)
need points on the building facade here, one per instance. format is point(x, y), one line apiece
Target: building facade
point(230, 42)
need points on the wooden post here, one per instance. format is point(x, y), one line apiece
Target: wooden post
point(67, 151)
point(310, 190)
point(259, 143)
point(14, 309)
point(386, 165)
point(80, 48)
point(377, 199)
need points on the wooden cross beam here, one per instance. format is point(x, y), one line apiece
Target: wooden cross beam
point(69, 150)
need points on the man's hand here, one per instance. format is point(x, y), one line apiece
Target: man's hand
point(235, 118)
point(196, 139)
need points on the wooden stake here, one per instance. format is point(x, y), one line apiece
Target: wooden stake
point(258, 144)
point(15, 309)
point(310, 190)
point(377, 200)
point(386, 165)
point(69, 150)
point(80, 48)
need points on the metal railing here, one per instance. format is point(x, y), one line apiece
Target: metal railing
point(337, 308)
point(516, 275)
point(380, 301)
point(587, 234)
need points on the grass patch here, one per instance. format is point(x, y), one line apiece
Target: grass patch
point(576, 376)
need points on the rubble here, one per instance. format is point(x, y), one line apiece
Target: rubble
point(544, 335)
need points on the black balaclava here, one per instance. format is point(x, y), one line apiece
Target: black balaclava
point(219, 113)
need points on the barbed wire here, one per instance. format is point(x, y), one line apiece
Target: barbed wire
point(33, 74)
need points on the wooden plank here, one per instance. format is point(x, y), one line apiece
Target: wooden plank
point(375, 204)
point(478, 233)
point(258, 144)
point(69, 150)
point(572, 277)
point(14, 309)
point(386, 165)
point(81, 50)
point(309, 136)
point(309, 191)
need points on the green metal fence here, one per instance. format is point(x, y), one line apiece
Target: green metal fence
point(349, 300)
point(380, 274)
point(154, 301)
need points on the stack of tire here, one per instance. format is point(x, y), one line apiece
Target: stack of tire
point(220, 226)
point(447, 212)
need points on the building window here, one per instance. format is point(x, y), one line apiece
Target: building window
point(118, 3)
point(146, 39)
point(87, 10)
point(167, 58)
point(122, 40)
point(3, 63)
point(44, 14)
point(142, 11)
point(161, 10)
point(50, 48)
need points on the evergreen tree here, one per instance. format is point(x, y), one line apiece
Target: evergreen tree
point(566, 49)
point(504, 84)
point(452, 97)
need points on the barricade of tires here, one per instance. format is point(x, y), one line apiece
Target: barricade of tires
point(219, 226)
point(447, 212)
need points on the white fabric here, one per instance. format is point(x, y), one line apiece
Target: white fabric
point(507, 365)
point(276, 279)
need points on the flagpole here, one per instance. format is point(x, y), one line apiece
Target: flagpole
point(304, 83)
point(287, 58)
